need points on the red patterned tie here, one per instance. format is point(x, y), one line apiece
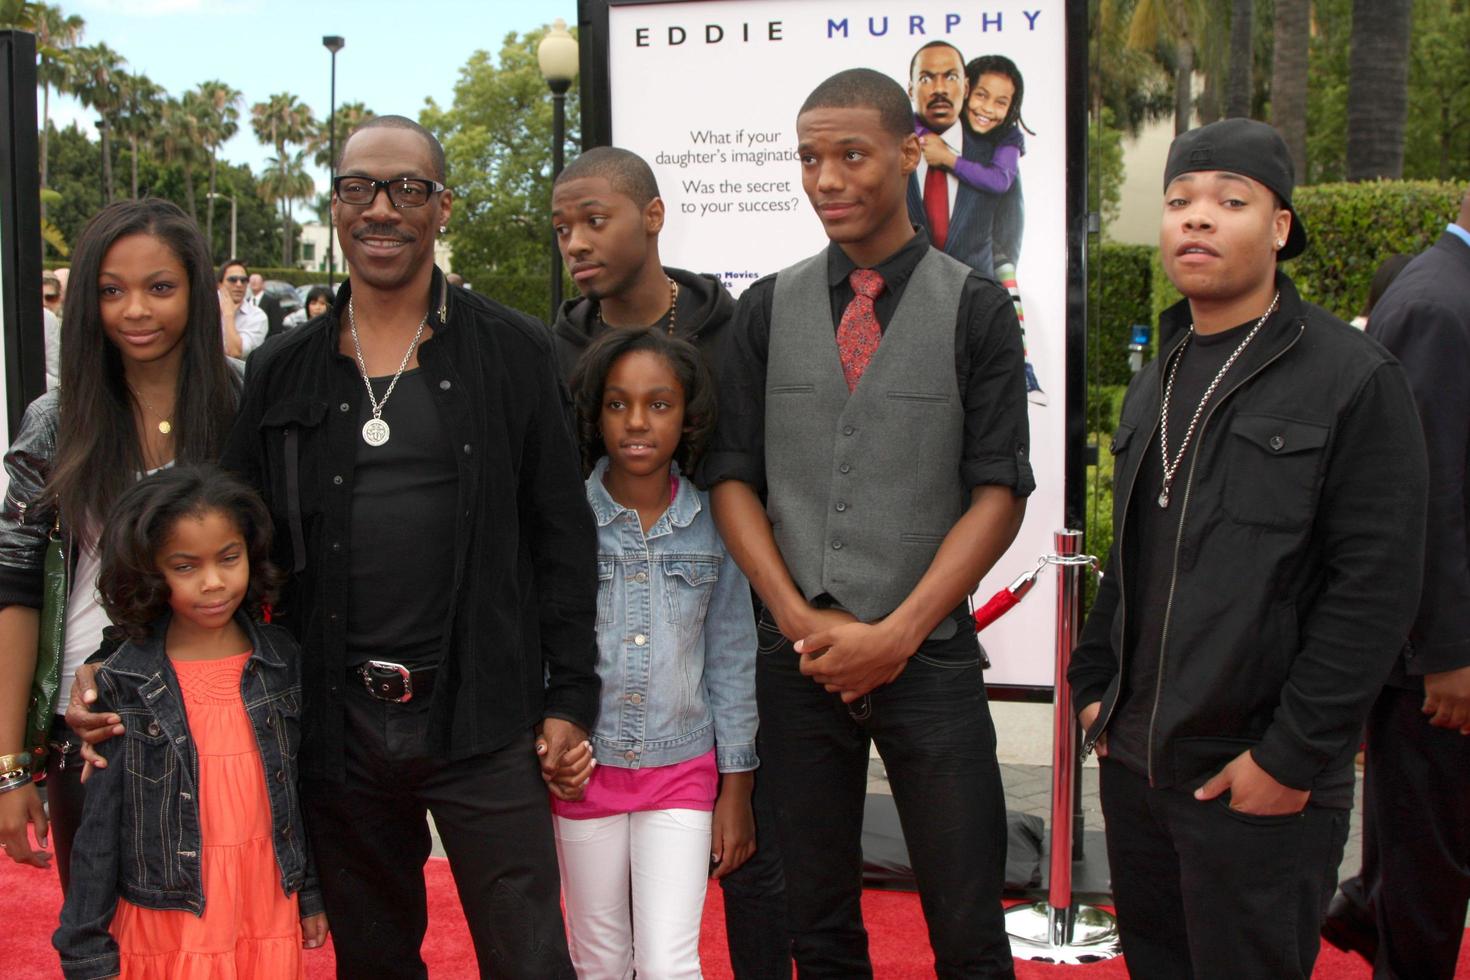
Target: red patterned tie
point(858, 334)
point(936, 205)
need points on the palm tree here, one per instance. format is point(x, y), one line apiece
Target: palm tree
point(222, 121)
point(56, 35)
point(177, 140)
point(1292, 29)
point(1177, 24)
point(1242, 56)
point(1378, 88)
point(350, 115)
point(140, 109)
point(96, 86)
point(286, 180)
point(281, 119)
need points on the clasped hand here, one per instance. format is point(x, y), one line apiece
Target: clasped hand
point(848, 657)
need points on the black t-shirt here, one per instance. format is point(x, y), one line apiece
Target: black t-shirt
point(1152, 537)
point(404, 496)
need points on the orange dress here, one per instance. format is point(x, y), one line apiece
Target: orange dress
point(250, 929)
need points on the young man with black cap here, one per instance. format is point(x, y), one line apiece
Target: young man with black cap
point(1269, 507)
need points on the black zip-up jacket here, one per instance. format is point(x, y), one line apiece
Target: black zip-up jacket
point(704, 308)
point(1298, 561)
point(518, 644)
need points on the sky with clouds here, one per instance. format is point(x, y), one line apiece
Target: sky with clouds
point(397, 54)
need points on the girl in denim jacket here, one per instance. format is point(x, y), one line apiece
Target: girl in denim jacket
point(662, 801)
point(191, 859)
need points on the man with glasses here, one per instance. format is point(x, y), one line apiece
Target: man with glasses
point(413, 448)
point(243, 324)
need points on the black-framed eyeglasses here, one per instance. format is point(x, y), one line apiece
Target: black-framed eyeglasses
point(404, 192)
point(237, 280)
point(50, 297)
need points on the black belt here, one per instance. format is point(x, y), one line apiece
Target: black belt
point(389, 681)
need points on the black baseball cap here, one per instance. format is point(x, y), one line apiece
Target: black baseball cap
point(1247, 147)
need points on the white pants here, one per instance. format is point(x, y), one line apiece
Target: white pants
point(660, 860)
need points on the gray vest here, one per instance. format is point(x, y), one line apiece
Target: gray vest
point(862, 488)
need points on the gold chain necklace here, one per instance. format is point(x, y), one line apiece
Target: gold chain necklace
point(164, 425)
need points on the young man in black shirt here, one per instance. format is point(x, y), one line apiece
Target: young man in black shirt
point(869, 466)
point(1269, 506)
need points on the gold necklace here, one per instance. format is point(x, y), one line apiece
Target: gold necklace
point(164, 425)
point(673, 307)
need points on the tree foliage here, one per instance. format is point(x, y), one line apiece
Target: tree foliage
point(497, 139)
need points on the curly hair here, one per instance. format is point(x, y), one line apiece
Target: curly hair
point(688, 364)
point(130, 584)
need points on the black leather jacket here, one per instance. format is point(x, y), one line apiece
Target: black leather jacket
point(1298, 563)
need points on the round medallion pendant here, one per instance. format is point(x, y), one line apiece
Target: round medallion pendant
point(375, 432)
point(165, 427)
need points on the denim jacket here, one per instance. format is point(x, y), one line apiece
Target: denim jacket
point(675, 637)
point(140, 836)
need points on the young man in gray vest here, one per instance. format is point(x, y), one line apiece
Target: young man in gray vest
point(869, 466)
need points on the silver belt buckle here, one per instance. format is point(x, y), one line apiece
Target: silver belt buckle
point(373, 683)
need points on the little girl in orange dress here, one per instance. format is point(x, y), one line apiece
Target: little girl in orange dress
point(191, 861)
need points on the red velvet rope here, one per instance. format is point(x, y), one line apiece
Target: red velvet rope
point(998, 606)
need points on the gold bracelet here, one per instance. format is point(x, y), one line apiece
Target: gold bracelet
point(16, 760)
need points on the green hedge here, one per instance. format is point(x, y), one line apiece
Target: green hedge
point(1119, 296)
point(1352, 228)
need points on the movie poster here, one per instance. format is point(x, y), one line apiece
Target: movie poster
point(708, 93)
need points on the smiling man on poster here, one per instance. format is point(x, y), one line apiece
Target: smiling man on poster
point(869, 465)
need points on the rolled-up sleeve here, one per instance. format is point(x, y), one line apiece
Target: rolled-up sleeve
point(737, 450)
point(990, 363)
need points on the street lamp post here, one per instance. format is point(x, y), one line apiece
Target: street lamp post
point(557, 55)
point(332, 43)
point(234, 228)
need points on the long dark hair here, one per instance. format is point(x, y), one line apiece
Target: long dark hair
point(133, 589)
point(98, 453)
point(998, 64)
point(590, 378)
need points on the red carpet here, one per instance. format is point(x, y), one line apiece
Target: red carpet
point(30, 899)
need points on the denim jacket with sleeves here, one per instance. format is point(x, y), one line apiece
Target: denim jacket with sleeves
point(140, 836)
point(676, 638)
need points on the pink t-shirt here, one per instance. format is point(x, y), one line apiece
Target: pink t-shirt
point(611, 791)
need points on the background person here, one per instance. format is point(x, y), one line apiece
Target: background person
point(318, 301)
point(1406, 912)
point(242, 324)
point(145, 383)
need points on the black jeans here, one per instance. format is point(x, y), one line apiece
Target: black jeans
point(371, 840)
point(932, 727)
point(1206, 891)
point(1416, 797)
point(755, 895)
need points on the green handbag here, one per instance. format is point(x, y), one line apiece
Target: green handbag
point(50, 649)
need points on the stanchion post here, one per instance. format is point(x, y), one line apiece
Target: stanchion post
point(1058, 930)
point(1068, 543)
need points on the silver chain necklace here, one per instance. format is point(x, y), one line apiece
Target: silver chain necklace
point(1171, 468)
point(375, 431)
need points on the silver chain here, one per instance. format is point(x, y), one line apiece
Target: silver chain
point(1171, 468)
point(362, 365)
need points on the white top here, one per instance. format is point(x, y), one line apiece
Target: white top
point(85, 620)
point(251, 324)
